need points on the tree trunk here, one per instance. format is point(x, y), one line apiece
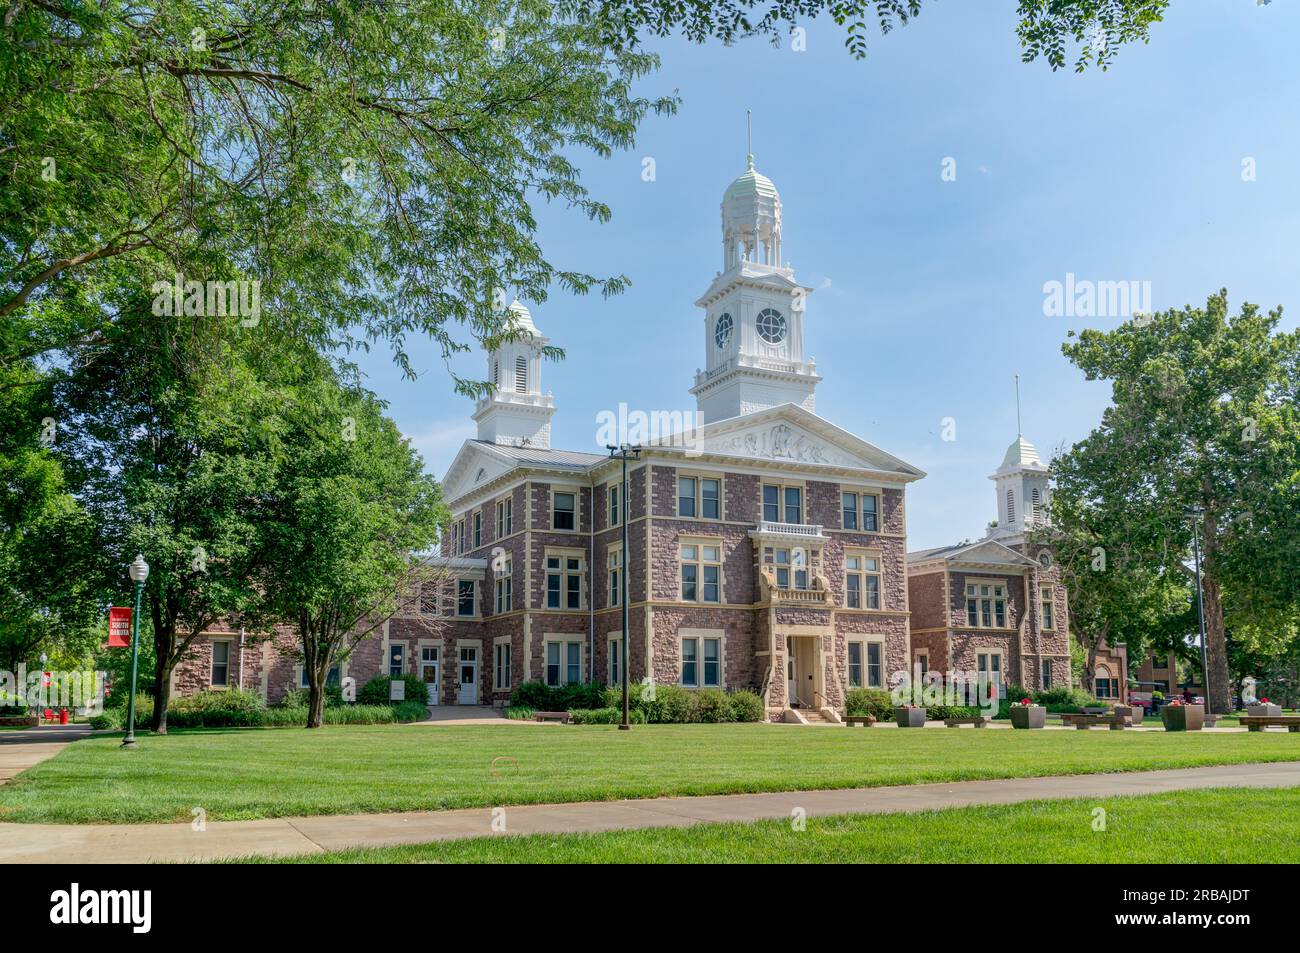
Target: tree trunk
point(315, 698)
point(162, 687)
point(1218, 693)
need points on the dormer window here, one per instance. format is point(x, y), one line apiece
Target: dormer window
point(771, 325)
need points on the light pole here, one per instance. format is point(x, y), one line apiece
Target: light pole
point(139, 572)
point(1194, 513)
point(622, 451)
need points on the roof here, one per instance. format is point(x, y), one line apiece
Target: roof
point(536, 456)
point(1021, 453)
point(968, 553)
point(750, 183)
point(522, 318)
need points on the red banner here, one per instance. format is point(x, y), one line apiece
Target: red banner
point(119, 627)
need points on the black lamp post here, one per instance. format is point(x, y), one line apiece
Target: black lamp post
point(139, 572)
point(1194, 514)
point(622, 451)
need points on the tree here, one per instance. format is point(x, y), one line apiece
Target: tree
point(346, 525)
point(1097, 27)
point(1203, 413)
point(374, 165)
point(163, 421)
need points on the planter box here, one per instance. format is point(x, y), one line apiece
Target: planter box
point(19, 721)
point(1134, 712)
point(1263, 709)
point(910, 717)
point(1183, 717)
point(1028, 716)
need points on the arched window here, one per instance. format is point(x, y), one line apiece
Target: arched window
point(521, 375)
point(1036, 502)
point(1011, 506)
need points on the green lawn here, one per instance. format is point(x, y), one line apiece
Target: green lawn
point(250, 773)
point(1219, 825)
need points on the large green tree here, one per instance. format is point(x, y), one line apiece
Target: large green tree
point(346, 523)
point(1203, 414)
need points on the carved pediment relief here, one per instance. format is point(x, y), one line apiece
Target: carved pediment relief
point(782, 442)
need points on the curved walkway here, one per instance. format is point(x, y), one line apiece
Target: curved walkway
point(138, 843)
point(23, 748)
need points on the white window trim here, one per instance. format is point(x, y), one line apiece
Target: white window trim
point(230, 656)
point(864, 553)
point(699, 542)
point(478, 599)
point(584, 596)
point(496, 647)
point(503, 583)
point(699, 476)
point(1006, 613)
point(577, 508)
point(564, 639)
point(700, 635)
point(613, 597)
point(1050, 600)
point(503, 526)
point(613, 646)
point(864, 641)
point(782, 484)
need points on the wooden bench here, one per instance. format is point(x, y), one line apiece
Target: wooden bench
point(866, 721)
point(977, 721)
point(1260, 722)
point(1084, 722)
point(562, 717)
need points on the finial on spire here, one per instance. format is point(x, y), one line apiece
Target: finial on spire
point(749, 139)
point(1019, 431)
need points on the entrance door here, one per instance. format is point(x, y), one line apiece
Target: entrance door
point(468, 677)
point(791, 674)
point(429, 668)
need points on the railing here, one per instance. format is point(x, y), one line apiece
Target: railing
point(804, 597)
point(802, 530)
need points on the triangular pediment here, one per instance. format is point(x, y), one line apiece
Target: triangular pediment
point(477, 464)
point(989, 552)
point(789, 433)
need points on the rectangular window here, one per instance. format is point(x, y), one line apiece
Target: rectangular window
point(614, 563)
point(849, 509)
point(990, 669)
point(564, 582)
point(870, 513)
point(615, 646)
point(505, 585)
point(478, 529)
point(771, 503)
point(701, 572)
point(986, 605)
point(465, 597)
point(855, 665)
point(686, 496)
point(1045, 593)
point(563, 662)
point(613, 503)
point(691, 662)
point(791, 565)
point(712, 663)
point(220, 663)
point(793, 504)
point(458, 537)
point(501, 666)
point(862, 581)
point(563, 513)
point(1047, 673)
point(396, 661)
point(332, 678)
point(711, 499)
point(505, 518)
point(875, 666)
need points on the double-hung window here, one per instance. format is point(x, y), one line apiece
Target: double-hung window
point(791, 567)
point(563, 508)
point(501, 666)
point(782, 504)
point(701, 662)
point(505, 585)
point(699, 497)
point(986, 605)
point(870, 513)
point(465, 597)
point(615, 646)
point(563, 582)
point(1045, 595)
point(220, 664)
point(615, 491)
point(866, 669)
point(701, 572)
point(849, 510)
point(563, 662)
point(614, 563)
point(505, 518)
point(861, 581)
point(989, 666)
point(396, 660)
point(478, 529)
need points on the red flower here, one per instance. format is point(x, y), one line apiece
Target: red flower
point(1263, 701)
point(1024, 701)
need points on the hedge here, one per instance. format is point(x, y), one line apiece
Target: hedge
point(870, 701)
point(207, 715)
point(377, 691)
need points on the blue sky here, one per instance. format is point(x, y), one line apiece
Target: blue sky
point(929, 293)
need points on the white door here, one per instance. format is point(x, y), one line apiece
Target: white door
point(429, 669)
point(468, 677)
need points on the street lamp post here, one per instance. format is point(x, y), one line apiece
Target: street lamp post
point(139, 572)
point(622, 451)
point(1194, 514)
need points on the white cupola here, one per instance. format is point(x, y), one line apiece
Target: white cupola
point(1024, 492)
point(753, 312)
point(516, 413)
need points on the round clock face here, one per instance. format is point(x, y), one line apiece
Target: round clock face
point(1045, 559)
point(722, 330)
point(771, 325)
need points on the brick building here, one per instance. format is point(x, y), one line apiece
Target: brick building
point(766, 546)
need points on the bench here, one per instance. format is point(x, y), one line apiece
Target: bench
point(866, 721)
point(977, 721)
point(563, 717)
point(1084, 722)
point(1260, 722)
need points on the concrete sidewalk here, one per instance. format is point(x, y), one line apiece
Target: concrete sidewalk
point(137, 843)
point(24, 748)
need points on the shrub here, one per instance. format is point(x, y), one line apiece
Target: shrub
point(411, 711)
point(606, 716)
point(376, 691)
point(940, 712)
point(580, 695)
point(710, 705)
point(671, 705)
point(747, 706)
point(534, 695)
point(635, 694)
point(870, 701)
point(519, 712)
point(231, 699)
